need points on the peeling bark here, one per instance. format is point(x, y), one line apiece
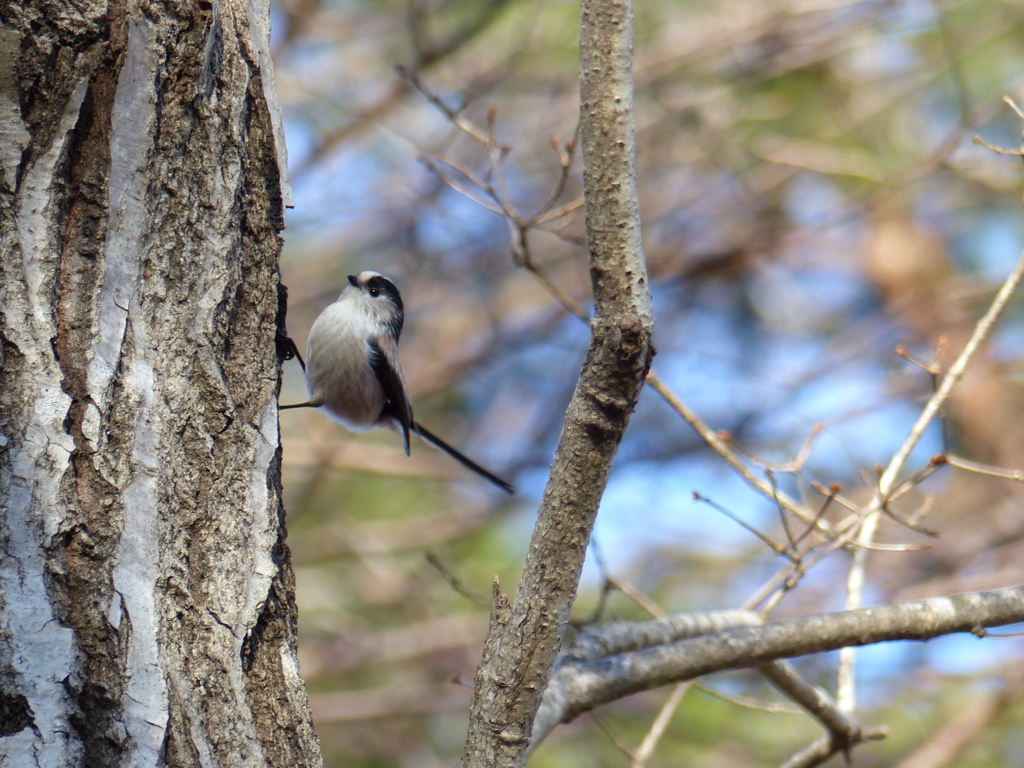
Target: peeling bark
point(147, 611)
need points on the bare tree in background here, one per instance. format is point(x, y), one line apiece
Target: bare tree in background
point(785, 153)
point(616, 660)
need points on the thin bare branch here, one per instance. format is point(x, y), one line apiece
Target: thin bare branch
point(637, 597)
point(776, 548)
point(454, 581)
point(721, 447)
point(1017, 475)
point(824, 749)
point(887, 481)
point(771, 707)
point(647, 746)
point(843, 729)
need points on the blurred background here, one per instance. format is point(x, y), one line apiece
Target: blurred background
point(812, 199)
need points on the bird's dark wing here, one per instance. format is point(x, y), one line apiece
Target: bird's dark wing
point(384, 359)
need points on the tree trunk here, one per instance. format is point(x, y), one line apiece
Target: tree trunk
point(147, 611)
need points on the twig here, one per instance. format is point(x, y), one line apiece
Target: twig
point(719, 446)
point(779, 550)
point(788, 577)
point(771, 707)
point(497, 200)
point(454, 581)
point(887, 481)
point(822, 750)
point(830, 496)
point(458, 186)
point(637, 597)
point(982, 632)
point(646, 749)
point(606, 728)
point(1016, 475)
point(997, 150)
point(789, 467)
point(843, 729)
point(453, 115)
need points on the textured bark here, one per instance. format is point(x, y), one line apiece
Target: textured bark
point(147, 611)
point(617, 660)
point(524, 638)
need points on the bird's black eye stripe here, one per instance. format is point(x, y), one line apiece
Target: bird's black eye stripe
point(378, 285)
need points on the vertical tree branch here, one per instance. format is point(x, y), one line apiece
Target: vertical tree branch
point(846, 695)
point(523, 641)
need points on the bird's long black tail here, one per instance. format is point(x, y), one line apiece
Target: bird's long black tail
point(440, 444)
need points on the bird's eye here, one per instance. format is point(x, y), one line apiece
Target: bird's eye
point(375, 292)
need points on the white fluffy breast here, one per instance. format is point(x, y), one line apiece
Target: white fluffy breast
point(339, 370)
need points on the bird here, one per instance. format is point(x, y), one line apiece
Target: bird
point(352, 368)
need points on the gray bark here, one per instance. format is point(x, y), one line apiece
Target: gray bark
point(147, 611)
point(620, 659)
point(525, 634)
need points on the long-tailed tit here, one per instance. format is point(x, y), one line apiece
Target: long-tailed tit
point(352, 368)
